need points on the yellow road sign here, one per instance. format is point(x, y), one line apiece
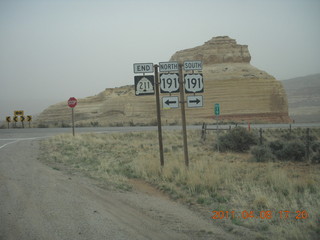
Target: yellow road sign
point(19, 113)
point(15, 118)
point(29, 118)
point(22, 118)
point(8, 119)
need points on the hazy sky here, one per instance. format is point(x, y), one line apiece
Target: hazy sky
point(51, 50)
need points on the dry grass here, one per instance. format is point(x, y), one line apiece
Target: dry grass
point(217, 181)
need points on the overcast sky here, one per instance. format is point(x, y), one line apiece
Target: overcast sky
point(51, 50)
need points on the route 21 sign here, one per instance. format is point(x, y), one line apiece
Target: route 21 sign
point(144, 85)
point(193, 83)
point(169, 83)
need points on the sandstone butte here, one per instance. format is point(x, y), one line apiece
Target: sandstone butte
point(245, 94)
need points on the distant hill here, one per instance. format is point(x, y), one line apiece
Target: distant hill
point(303, 98)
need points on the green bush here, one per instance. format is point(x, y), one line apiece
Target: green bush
point(292, 150)
point(316, 157)
point(276, 148)
point(237, 139)
point(262, 153)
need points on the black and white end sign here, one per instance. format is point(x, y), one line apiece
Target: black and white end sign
point(193, 83)
point(143, 67)
point(170, 102)
point(169, 83)
point(194, 101)
point(144, 85)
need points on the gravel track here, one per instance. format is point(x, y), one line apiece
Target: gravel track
point(38, 202)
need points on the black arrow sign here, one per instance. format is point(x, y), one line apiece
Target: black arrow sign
point(168, 102)
point(197, 101)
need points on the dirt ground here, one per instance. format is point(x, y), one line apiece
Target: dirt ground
point(39, 202)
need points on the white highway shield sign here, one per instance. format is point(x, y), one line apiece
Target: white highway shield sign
point(170, 102)
point(169, 83)
point(194, 101)
point(193, 83)
point(144, 85)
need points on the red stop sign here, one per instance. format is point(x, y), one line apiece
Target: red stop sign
point(72, 102)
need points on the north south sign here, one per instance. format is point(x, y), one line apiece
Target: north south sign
point(192, 65)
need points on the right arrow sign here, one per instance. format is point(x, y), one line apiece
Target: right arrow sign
point(194, 101)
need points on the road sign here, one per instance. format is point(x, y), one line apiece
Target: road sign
point(15, 118)
point(170, 102)
point(143, 67)
point(194, 101)
point(168, 66)
point(193, 83)
point(22, 118)
point(8, 119)
point(169, 83)
point(217, 109)
point(144, 85)
point(29, 118)
point(72, 102)
point(192, 65)
point(18, 113)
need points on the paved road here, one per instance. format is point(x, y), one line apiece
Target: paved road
point(38, 202)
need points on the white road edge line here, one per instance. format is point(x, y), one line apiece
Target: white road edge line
point(8, 144)
point(17, 140)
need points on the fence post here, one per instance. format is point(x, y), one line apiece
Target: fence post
point(308, 144)
point(203, 133)
point(260, 132)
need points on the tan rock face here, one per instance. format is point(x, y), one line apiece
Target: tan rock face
point(244, 92)
point(216, 50)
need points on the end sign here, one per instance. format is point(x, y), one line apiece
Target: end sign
point(143, 68)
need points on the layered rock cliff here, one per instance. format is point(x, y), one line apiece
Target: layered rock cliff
point(244, 92)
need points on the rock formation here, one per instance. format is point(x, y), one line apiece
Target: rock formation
point(244, 92)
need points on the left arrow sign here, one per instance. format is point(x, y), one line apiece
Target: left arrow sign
point(170, 102)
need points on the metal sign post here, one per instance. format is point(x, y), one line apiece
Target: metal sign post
point(72, 116)
point(217, 113)
point(158, 114)
point(8, 119)
point(144, 85)
point(183, 117)
point(72, 102)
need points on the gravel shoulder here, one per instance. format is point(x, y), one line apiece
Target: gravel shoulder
point(38, 202)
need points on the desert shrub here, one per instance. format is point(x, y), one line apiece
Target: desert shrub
point(276, 148)
point(316, 157)
point(315, 147)
point(42, 125)
point(262, 153)
point(292, 150)
point(287, 136)
point(238, 140)
point(94, 124)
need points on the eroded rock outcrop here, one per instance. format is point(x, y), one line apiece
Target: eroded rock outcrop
point(244, 92)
